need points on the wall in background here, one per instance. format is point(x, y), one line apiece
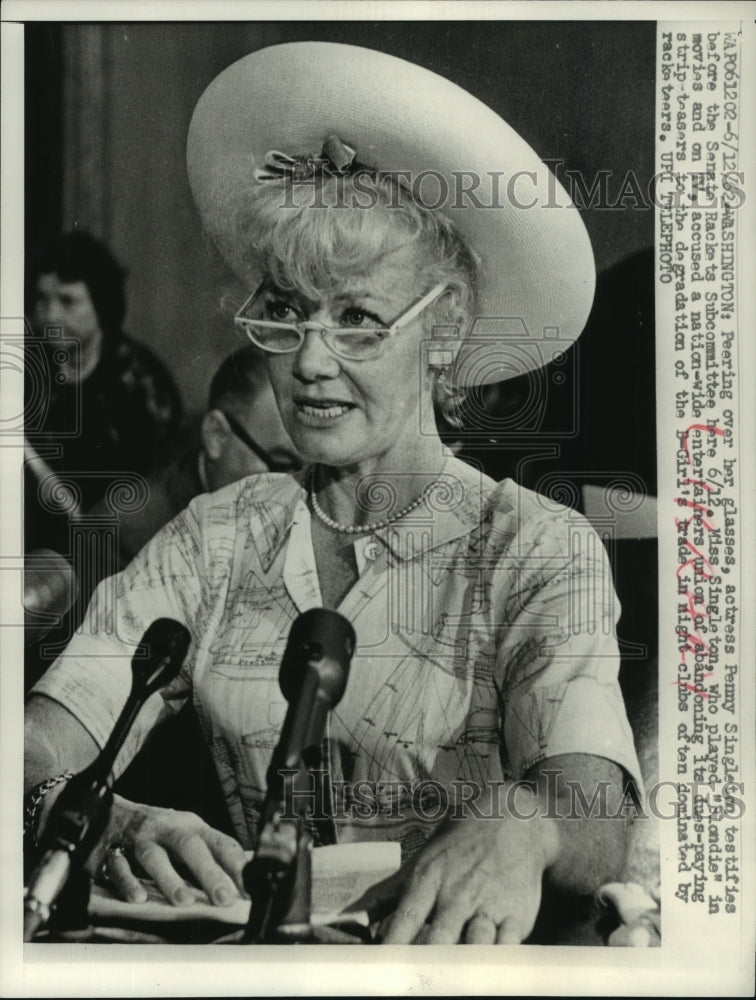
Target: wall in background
point(108, 108)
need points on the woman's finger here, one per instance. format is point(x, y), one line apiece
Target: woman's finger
point(118, 871)
point(156, 863)
point(509, 932)
point(195, 855)
point(379, 901)
point(481, 930)
point(414, 907)
point(448, 924)
point(230, 856)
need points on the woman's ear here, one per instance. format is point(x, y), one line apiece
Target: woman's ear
point(214, 433)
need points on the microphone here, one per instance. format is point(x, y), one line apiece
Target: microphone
point(313, 677)
point(80, 814)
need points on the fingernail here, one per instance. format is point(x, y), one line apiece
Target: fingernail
point(223, 897)
point(182, 896)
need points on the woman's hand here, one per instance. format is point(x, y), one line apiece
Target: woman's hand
point(477, 882)
point(164, 845)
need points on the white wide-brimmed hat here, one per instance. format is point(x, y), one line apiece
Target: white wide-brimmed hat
point(537, 272)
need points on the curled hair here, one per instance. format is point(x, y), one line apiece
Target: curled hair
point(78, 256)
point(310, 236)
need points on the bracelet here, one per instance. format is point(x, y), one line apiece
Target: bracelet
point(34, 800)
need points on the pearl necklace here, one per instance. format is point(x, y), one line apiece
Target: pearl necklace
point(359, 529)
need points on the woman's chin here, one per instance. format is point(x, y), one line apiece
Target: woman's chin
point(324, 452)
point(328, 445)
point(338, 454)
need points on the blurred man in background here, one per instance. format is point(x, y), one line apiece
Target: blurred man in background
point(241, 434)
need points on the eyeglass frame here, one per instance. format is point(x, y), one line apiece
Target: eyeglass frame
point(265, 456)
point(412, 311)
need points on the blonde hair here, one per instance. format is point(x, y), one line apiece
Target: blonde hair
point(309, 237)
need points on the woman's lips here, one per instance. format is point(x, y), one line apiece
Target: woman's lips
point(321, 411)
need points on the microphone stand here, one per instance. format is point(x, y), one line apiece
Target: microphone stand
point(80, 815)
point(279, 879)
point(312, 677)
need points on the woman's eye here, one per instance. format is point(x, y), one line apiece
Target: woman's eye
point(359, 317)
point(281, 312)
point(353, 317)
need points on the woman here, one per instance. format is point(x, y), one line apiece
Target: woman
point(483, 613)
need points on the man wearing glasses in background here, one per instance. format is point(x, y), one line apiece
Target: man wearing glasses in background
point(241, 435)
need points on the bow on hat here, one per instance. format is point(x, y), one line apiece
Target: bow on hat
point(335, 160)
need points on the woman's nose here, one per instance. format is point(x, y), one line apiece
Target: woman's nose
point(43, 313)
point(51, 312)
point(313, 360)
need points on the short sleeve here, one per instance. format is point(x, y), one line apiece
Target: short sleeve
point(92, 677)
point(558, 662)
